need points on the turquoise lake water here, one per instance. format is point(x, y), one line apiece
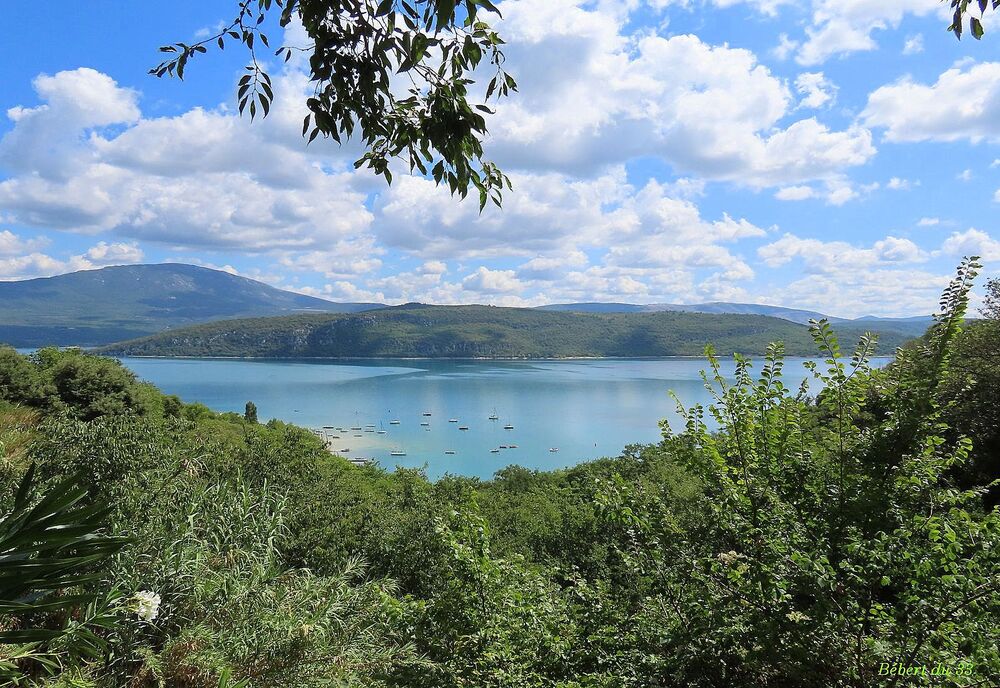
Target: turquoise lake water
point(584, 408)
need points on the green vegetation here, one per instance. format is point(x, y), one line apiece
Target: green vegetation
point(805, 541)
point(482, 332)
point(395, 74)
point(101, 306)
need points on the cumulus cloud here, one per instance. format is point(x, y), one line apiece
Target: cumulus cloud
point(11, 244)
point(820, 256)
point(795, 193)
point(713, 111)
point(963, 104)
point(37, 264)
point(972, 242)
point(816, 90)
point(840, 27)
point(245, 190)
point(914, 44)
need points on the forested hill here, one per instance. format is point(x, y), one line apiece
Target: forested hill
point(483, 331)
point(94, 307)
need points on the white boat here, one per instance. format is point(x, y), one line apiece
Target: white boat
point(380, 432)
point(393, 422)
point(512, 446)
point(397, 453)
point(494, 451)
point(453, 420)
point(427, 413)
point(449, 451)
point(508, 427)
point(425, 423)
point(554, 449)
point(463, 427)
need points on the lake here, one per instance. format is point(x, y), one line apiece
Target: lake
point(585, 409)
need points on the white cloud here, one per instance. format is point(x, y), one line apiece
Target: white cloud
point(840, 27)
point(795, 193)
point(112, 254)
point(880, 291)
point(11, 244)
point(914, 44)
point(817, 91)
point(36, 264)
point(487, 281)
point(712, 111)
point(839, 256)
point(963, 104)
point(928, 222)
point(964, 175)
point(786, 46)
point(898, 184)
point(972, 242)
point(246, 189)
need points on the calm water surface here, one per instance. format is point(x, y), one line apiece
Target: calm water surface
point(584, 408)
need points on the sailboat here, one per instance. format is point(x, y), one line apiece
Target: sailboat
point(494, 416)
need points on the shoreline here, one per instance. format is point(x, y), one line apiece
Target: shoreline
point(291, 359)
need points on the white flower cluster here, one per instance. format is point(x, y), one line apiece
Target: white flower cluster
point(728, 558)
point(147, 604)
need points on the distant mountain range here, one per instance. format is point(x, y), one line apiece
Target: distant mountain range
point(416, 330)
point(95, 307)
point(915, 325)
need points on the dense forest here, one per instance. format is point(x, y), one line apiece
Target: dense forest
point(816, 540)
point(417, 330)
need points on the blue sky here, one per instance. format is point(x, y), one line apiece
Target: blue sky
point(837, 155)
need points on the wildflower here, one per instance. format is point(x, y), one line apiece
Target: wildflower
point(728, 558)
point(797, 617)
point(147, 604)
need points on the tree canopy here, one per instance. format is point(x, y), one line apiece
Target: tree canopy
point(398, 73)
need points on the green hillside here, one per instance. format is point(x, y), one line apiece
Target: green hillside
point(94, 307)
point(481, 331)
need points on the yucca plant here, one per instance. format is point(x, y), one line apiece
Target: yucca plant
point(50, 550)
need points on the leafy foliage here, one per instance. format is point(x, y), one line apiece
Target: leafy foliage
point(49, 545)
point(964, 9)
point(398, 72)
